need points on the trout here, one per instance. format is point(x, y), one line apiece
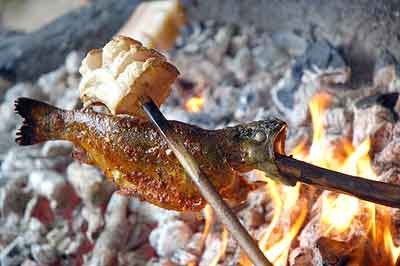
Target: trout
point(133, 154)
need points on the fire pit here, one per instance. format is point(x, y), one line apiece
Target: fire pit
point(339, 94)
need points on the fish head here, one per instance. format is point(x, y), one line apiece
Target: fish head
point(254, 146)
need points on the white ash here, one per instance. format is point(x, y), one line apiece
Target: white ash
point(90, 184)
point(73, 62)
point(235, 69)
point(169, 237)
point(115, 234)
point(56, 148)
point(51, 185)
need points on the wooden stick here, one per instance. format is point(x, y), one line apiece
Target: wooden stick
point(206, 188)
point(369, 190)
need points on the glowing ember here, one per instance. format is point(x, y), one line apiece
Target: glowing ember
point(194, 104)
point(340, 215)
point(365, 227)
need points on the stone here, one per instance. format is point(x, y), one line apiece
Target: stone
point(169, 237)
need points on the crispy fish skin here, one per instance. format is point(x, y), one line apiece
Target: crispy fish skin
point(133, 154)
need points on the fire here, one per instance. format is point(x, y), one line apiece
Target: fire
point(365, 226)
point(339, 213)
point(195, 104)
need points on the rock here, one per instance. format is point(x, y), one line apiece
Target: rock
point(57, 148)
point(44, 254)
point(169, 237)
point(73, 62)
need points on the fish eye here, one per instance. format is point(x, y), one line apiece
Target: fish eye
point(259, 136)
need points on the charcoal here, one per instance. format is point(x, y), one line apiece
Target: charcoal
point(386, 100)
point(27, 56)
point(386, 71)
point(291, 42)
point(320, 65)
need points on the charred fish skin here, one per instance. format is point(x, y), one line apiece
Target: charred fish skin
point(133, 155)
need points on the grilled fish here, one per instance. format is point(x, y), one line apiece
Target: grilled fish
point(134, 156)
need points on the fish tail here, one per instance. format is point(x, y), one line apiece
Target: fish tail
point(41, 121)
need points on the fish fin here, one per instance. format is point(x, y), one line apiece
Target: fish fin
point(32, 111)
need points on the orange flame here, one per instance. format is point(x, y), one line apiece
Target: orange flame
point(339, 213)
point(195, 104)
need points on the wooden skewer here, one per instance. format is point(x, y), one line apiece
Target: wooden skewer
point(207, 190)
point(369, 190)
